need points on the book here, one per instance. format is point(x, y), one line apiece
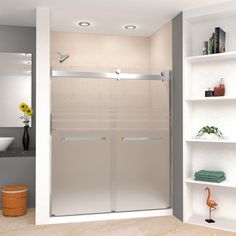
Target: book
point(211, 44)
point(219, 42)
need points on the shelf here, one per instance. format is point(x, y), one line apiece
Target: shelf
point(201, 72)
point(225, 183)
point(210, 99)
point(212, 57)
point(221, 224)
point(227, 141)
point(17, 153)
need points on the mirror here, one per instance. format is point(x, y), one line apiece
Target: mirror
point(15, 87)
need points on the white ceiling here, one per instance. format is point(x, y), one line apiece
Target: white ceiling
point(107, 16)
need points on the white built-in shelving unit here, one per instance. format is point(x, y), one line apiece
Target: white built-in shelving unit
point(200, 73)
point(216, 141)
point(210, 99)
point(212, 57)
point(225, 184)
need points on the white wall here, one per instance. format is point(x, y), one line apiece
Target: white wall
point(43, 101)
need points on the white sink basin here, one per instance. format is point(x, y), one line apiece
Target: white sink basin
point(5, 143)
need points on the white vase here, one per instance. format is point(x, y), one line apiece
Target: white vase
point(209, 136)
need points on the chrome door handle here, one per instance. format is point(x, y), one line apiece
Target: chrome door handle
point(80, 138)
point(141, 138)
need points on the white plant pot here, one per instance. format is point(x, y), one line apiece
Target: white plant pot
point(209, 136)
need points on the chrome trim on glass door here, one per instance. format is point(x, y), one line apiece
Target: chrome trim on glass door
point(141, 138)
point(78, 138)
point(109, 75)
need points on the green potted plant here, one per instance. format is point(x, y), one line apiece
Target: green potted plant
point(210, 132)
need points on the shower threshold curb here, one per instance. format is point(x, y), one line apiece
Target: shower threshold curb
point(109, 216)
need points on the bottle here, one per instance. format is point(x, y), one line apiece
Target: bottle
point(210, 45)
point(213, 43)
point(222, 87)
point(205, 48)
point(217, 91)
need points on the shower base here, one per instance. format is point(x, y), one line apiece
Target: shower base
point(109, 216)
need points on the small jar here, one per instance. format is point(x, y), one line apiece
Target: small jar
point(209, 93)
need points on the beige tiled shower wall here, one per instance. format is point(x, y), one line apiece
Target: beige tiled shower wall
point(115, 110)
point(93, 52)
point(161, 61)
point(161, 50)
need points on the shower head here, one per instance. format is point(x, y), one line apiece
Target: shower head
point(64, 57)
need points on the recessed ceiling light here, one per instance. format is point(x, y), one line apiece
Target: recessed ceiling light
point(84, 23)
point(130, 27)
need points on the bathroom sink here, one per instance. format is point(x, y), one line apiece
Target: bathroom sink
point(5, 143)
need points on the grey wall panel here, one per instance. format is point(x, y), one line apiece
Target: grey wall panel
point(177, 47)
point(19, 170)
point(17, 39)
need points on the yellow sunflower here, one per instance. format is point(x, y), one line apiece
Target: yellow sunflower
point(29, 111)
point(23, 106)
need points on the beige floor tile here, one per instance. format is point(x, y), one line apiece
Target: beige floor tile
point(155, 226)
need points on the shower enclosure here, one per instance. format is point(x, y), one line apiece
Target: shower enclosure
point(111, 144)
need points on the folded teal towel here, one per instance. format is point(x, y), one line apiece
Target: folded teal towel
point(219, 180)
point(209, 177)
point(209, 174)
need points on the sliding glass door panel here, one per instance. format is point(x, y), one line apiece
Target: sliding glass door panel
point(81, 172)
point(142, 145)
point(142, 170)
point(110, 145)
point(81, 141)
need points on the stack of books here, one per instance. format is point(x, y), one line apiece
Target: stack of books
point(216, 43)
point(210, 176)
point(219, 40)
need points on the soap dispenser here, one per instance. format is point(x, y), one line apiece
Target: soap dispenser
point(222, 87)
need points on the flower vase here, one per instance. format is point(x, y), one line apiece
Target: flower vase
point(26, 138)
point(210, 136)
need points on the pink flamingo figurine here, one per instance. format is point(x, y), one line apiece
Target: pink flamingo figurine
point(211, 204)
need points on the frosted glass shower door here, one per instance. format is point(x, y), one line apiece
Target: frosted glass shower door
point(81, 164)
point(142, 144)
point(110, 145)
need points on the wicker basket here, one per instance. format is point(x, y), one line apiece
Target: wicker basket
point(14, 200)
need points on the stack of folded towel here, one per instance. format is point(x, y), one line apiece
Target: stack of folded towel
point(210, 176)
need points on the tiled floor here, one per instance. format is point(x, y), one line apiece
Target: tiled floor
point(157, 226)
